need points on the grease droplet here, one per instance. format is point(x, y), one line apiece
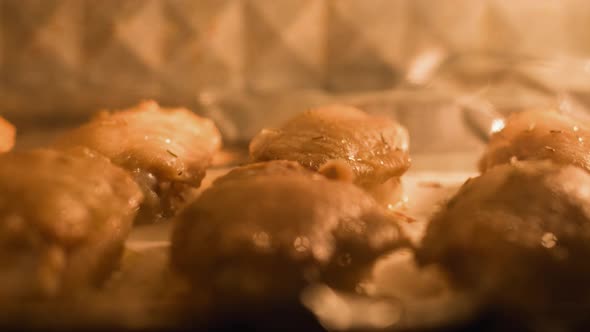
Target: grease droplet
point(261, 240)
point(531, 126)
point(513, 160)
point(548, 240)
point(497, 125)
point(301, 244)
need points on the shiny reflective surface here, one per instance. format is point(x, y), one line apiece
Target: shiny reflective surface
point(537, 135)
point(144, 293)
point(167, 150)
point(375, 148)
point(7, 135)
point(517, 238)
point(258, 232)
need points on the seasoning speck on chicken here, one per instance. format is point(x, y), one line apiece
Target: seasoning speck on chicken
point(376, 148)
point(166, 149)
point(518, 238)
point(7, 134)
point(64, 218)
point(538, 135)
point(262, 232)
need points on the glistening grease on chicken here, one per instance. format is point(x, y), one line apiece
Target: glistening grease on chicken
point(518, 237)
point(376, 148)
point(7, 134)
point(64, 218)
point(537, 135)
point(166, 149)
point(262, 232)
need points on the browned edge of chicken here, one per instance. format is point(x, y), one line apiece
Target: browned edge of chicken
point(376, 148)
point(539, 135)
point(167, 150)
point(262, 232)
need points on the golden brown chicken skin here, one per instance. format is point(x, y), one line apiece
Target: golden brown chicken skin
point(518, 237)
point(262, 232)
point(7, 134)
point(166, 149)
point(64, 217)
point(376, 148)
point(537, 135)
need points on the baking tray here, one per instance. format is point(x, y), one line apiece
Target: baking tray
point(445, 126)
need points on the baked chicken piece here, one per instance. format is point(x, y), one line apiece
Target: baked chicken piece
point(537, 135)
point(166, 149)
point(518, 237)
point(376, 148)
point(7, 134)
point(262, 232)
point(64, 217)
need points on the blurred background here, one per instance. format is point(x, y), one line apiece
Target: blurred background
point(253, 63)
point(444, 69)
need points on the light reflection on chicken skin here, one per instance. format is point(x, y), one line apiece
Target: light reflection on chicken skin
point(7, 134)
point(518, 236)
point(64, 218)
point(263, 231)
point(166, 149)
point(537, 135)
point(375, 147)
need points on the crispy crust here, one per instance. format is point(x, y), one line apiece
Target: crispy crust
point(264, 225)
point(518, 237)
point(375, 148)
point(538, 135)
point(166, 149)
